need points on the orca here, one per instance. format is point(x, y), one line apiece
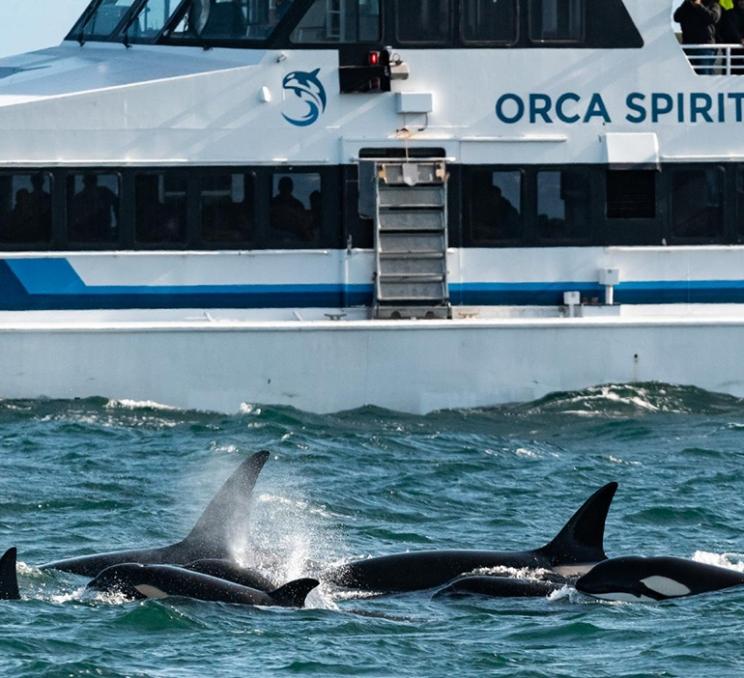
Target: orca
point(231, 571)
point(499, 587)
point(210, 537)
point(8, 576)
point(576, 548)
point(138, 581)
point(637, 579)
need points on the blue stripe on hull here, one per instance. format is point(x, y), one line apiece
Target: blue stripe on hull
point(53, 284)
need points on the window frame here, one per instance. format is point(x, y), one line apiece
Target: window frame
point(721, 236)
point(580, 41)
point(579, 241)
point(447, 42)
point(35, 245)
point(346, 43)
point(469, 239)
point(122, 227)
point(491, 43)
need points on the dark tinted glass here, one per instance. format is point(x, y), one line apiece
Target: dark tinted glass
point(26, 208)
point(296, 207)
point(697, 203)
point(106, 18)
point(160, 208)
point(557, 20)
point(93, 207)
point(232, 19)
point(495, 200)
point(489, 21)
point(339, 21)
point(422, 21)
point(226, 207)
point(563, 205)
point(631, 194)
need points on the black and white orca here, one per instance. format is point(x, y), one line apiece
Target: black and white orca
point(636, 579)
point(576, 549)
point(8, 576)
point(498, 587)
point(210, 537)
point(138, 581)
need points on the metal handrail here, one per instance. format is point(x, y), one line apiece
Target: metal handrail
point(727, 59)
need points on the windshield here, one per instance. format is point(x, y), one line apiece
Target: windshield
point(152, 19)
point(103, 21)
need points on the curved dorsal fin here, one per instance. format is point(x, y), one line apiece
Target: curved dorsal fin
point(214, 530)
point(8, 576)
point(582, 538)
point(294, 593)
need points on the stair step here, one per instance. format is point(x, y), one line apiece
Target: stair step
point(419, 197)
point(413, 254)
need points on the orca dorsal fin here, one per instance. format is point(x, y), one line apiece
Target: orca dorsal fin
point(294, 593)
point(213, 532)
point(8, 576)
point(582, 538)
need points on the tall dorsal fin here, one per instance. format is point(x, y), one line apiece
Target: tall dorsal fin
point(8, 576)
point(214, 530)
point(582, 538)
point(294, 593)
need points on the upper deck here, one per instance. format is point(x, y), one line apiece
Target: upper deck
point(148, 82)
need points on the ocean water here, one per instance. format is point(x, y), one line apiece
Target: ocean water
point(81, 477)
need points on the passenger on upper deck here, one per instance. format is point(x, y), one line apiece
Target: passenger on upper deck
point(731, 31)
point(698, 19)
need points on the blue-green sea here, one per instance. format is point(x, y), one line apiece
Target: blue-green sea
point(86, 476)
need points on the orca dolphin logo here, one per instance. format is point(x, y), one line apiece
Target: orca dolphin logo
point(307, 87)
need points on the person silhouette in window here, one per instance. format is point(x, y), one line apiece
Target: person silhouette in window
point(288, 214)
point(94, 211)
point(41, 206)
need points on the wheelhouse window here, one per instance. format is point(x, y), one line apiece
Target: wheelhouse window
point(557, 20)
point(697, 203)
point(26, 208)
point(151, 20)
point(489, 21)
point(422, 21)
point(93, 207)
point(226, 204)
point(495, 199)
point(339, 21)
point(631, 194)
point(104, 20)
point(296, 207)
point(231, 19)
point(563, 205)
point(160, 208)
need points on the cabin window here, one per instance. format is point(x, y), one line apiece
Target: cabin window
point(422, 21)
point(151, 19)
point(740, 204)
point(697, 203)
point(631, 194)
point(338, 21)
point(486, 21)
point(563, 205)
point(226, 203)
point(495, 200)
point(106, 18)
point(93, 207)
point(231, 19)
point(160, 208)
point(557, 20)
point(296, 215)
point(26, 208)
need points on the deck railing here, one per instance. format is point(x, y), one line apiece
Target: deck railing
point(716, 59)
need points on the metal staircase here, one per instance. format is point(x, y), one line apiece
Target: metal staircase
point(411, 240)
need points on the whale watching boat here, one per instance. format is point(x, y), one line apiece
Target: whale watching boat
point(326, 204)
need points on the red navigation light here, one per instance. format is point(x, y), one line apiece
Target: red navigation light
point(374, 58)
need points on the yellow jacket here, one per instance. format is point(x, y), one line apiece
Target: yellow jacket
point(727, 4)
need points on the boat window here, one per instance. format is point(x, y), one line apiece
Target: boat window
point(697, 203)
point(296, 207)
point(26, 208)
point(151, 19)
point(226, 203)
point(495, 200)
point(422, 21)
point(160, 208)
point(232, 19)
point(563, 205)
point(631, 194)
point(557, 20)
point(486, 21)
point(93, 207)
point(339, 21)
point(105, 19)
